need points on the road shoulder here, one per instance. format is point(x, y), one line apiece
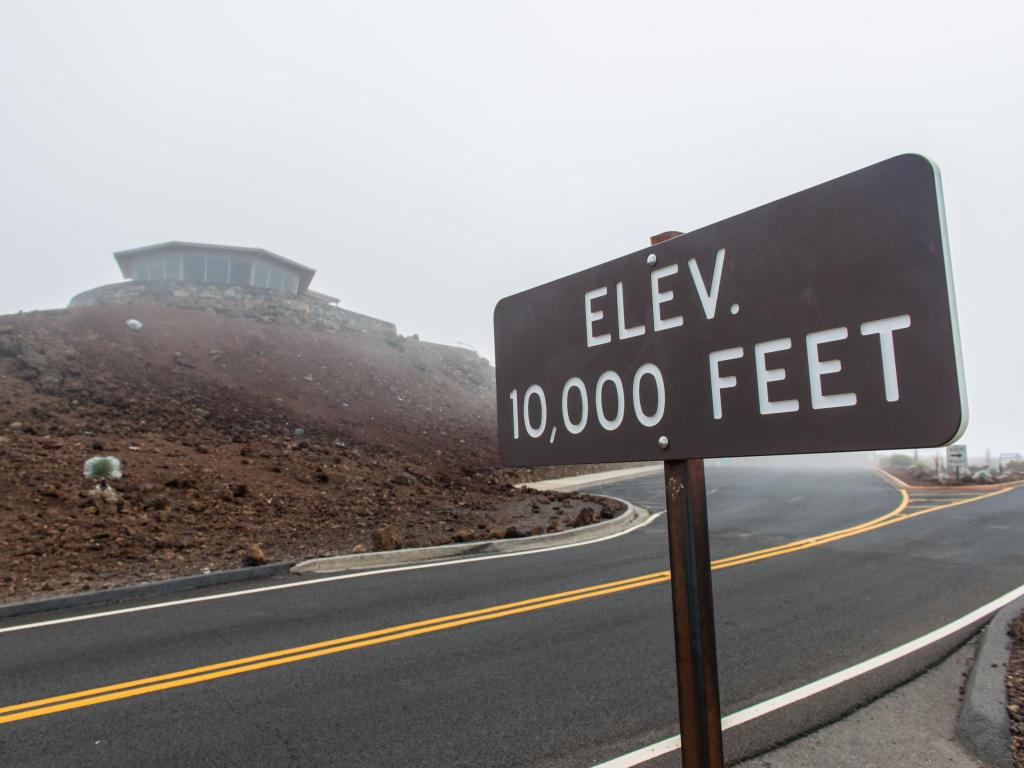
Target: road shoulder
point(984, 724)
point(913, 725)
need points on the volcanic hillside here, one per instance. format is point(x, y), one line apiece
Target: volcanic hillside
point(241, 442)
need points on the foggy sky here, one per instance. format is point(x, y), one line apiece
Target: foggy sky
point(430, 158)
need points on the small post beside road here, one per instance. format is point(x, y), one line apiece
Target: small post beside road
point(956, 457)
point(700, 719)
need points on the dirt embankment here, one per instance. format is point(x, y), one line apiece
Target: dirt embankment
point(241, 442)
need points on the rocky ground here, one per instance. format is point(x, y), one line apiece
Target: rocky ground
point(1015, 692)
point(242, 442)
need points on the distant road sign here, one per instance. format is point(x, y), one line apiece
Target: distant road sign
point(823, 321)
point(956, 456)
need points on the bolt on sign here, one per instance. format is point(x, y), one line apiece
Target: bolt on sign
point(824, 321)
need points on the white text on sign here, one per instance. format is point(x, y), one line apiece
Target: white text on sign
point(582, 403)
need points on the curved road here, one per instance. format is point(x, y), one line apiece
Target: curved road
point(556, 658)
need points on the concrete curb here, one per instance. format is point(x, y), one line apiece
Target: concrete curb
point(147, 589)
point(633, 516)
point(984, 725)
point(575, 482)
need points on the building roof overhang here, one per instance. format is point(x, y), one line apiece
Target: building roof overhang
point(322, 296)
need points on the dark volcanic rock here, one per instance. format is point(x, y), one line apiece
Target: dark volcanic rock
point(387, 538)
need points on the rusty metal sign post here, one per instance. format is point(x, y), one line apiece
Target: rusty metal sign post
point(693, 610)
point(823, 321)
point(700, 717)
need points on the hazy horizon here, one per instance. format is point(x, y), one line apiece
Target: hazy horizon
point(428, 161)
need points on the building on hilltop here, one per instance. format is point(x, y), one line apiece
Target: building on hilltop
point(218, 265)
point(229, 280)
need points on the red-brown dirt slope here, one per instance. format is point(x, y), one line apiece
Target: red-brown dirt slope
point(241, 441)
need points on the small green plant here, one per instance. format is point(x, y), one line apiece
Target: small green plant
point(103, 469)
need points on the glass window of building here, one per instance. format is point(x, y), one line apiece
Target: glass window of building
point(194, 269)
point(240, 272)
point(217, 270)
point(226, 269)
point(172, 267)
point(156, 267)
point(261, 275)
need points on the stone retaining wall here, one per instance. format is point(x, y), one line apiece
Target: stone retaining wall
point(235, 301)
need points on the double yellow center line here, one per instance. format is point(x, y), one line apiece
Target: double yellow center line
point(194, 675)
point(301, 653)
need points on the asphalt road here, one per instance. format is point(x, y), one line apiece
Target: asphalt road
point(575, 668)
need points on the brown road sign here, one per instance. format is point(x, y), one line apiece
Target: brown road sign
point(824, 321)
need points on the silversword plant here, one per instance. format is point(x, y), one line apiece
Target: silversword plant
point(103, 469)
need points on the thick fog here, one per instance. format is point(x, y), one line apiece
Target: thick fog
point(430, 158)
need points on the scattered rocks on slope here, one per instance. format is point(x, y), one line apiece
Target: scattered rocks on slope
point(256, 555)
point(585, 516)
point(387, 538)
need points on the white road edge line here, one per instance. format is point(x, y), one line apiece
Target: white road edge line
point(671, 744)
point(313, 582)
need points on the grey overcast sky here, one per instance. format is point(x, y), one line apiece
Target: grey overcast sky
point(429, 158)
